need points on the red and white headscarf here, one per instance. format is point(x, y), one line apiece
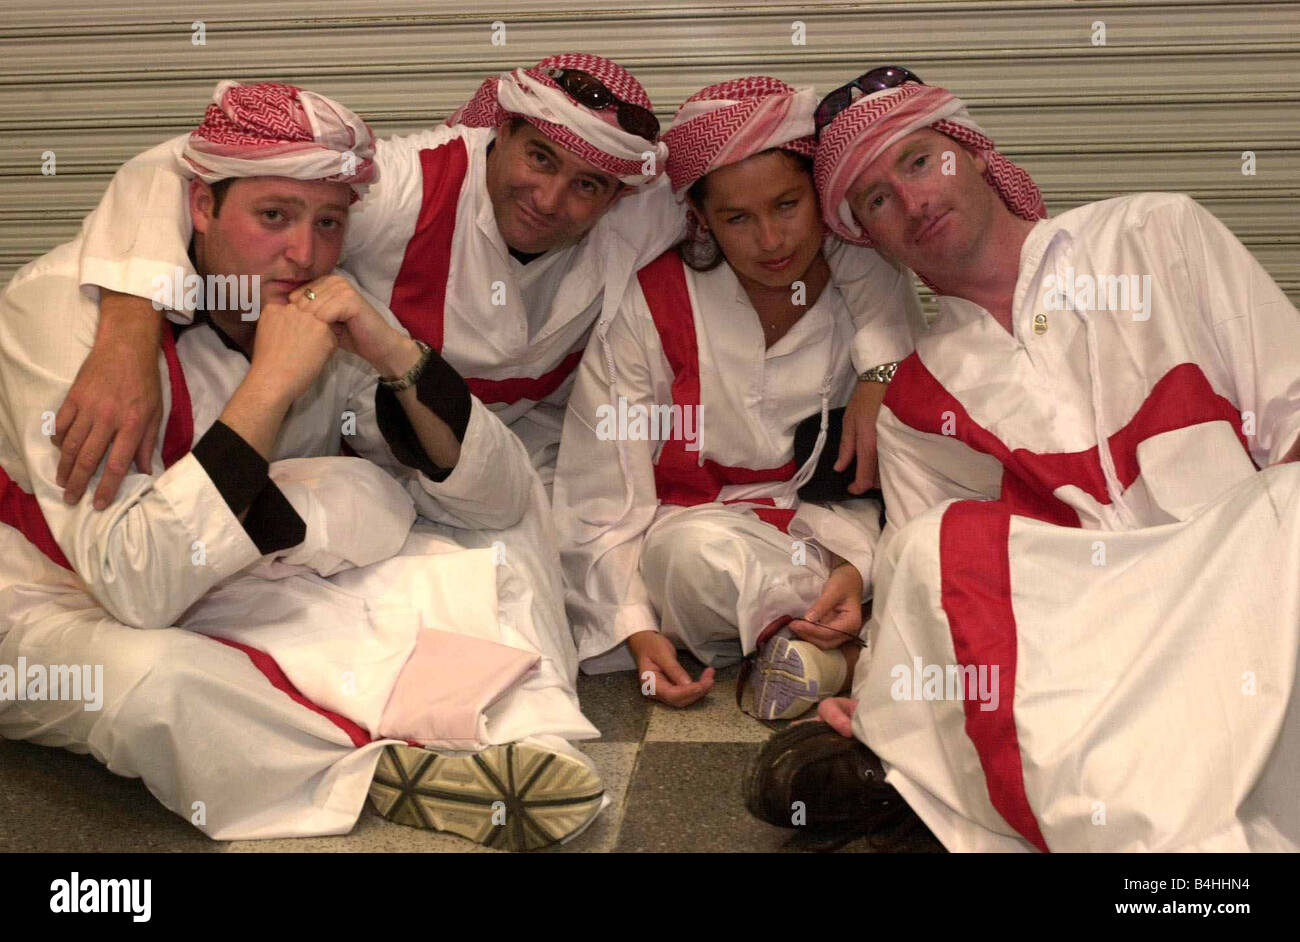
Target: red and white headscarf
point(595, 136)
point(872, 124)
point(274, 130)
point(728, 122)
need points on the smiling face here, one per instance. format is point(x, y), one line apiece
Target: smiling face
point(918, 215)
point(764, 213)
point(286, 232)
point(543, 195)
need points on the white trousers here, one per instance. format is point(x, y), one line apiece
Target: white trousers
point(1147, 696)
point(718, 576)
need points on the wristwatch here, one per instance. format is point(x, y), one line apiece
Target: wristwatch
point(408, 379)
point(879, 374)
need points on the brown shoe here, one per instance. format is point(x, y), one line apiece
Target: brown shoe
point(808, 775)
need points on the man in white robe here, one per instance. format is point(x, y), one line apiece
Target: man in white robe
point(268, 625)
point(1074, 647)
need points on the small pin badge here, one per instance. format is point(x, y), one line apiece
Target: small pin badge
point(1040, 323)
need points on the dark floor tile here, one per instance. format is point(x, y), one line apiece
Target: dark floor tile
point(614, 703)
point(52, 800)
point(687, 797)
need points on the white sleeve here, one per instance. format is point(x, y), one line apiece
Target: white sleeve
point(653, 221)
point(366, 221)
point(909, 479)
point(140, 231)
point(167, 538)
point(600, 531)
point(490, 488)
point(1256, 328)
point(647, 221)
point(882, 301)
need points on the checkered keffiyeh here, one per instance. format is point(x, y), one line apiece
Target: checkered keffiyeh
point(728, 122)
point(274, 130)
point(593, 135)
point(874, 123)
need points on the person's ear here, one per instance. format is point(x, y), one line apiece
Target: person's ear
point(981, 164)
point(202, 205)
point(694, 209)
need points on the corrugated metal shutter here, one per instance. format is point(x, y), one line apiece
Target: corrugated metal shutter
point(1171, 101)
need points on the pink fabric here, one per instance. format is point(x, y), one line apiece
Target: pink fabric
point(280, 130)
point(863, 131)
point(764, 113)
point(446, 685)
point(484, 111)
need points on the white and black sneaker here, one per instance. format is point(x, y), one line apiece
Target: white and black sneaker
point(516, 796)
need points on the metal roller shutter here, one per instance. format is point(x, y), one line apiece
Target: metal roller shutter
point(1171, 101)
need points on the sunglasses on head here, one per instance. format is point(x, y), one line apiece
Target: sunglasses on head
point(586, 89)
point(877, 80)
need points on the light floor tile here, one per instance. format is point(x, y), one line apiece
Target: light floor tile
point(716, 718)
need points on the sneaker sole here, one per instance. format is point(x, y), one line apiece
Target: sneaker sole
point(783, 690)
point(515, 796)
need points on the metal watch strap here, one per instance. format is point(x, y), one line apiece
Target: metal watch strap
point(879, 374)
point(407, 380)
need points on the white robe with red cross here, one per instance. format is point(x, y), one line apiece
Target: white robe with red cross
point(1078, 648)
point(689, 346)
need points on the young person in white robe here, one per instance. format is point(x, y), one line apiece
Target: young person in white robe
point(676, 493)
point(268, 635)
point(1087, 615)
point(493, 238)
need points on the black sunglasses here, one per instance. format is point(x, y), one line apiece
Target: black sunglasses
point(877, 80)
point(586, 89)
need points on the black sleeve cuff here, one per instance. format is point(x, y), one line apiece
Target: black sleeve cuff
point(272, 523)
point(446, 395)
point(240, 476)
point(234, 466)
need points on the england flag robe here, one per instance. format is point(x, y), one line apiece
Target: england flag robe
point(1088, 595)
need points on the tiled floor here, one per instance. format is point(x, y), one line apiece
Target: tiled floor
point(674, 778)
